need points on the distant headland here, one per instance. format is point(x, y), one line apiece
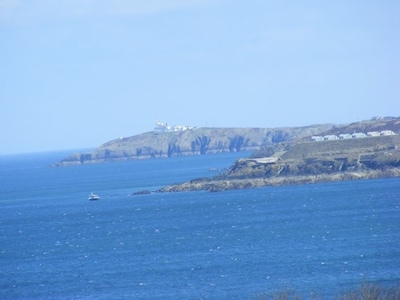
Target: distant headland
point(171, 141)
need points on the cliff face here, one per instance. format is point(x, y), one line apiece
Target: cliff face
point(372, 157)
point(327, 157)
point(191, 142)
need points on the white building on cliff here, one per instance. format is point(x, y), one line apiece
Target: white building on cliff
point(164, 127)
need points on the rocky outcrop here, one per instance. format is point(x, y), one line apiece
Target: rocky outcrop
point(198, 141)
point(217, 185)
point(307, 162)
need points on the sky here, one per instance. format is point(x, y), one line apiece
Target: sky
point(78, 73)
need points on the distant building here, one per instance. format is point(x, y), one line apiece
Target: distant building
point(164, 127)
point(373, 133)
point(355, 135)
point(317, 138)
point(358, 135)
point(330, 137)
point(345, 136)
point(387, 132)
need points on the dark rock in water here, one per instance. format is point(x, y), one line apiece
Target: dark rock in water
point(142, 192)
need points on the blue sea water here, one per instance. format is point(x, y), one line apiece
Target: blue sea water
point(319, 240)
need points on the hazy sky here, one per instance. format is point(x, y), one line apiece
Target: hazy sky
point(78, 73)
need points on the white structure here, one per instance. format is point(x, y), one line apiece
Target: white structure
point(317, 138)
point(373, 133)
point(344, 136)
point(358, 135)
point(164, 127)
point(355, 135)
point(387, 132)
point(330, 137)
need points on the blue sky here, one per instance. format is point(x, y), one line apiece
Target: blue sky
point(78, 73)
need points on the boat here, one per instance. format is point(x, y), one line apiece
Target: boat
point(93, 196)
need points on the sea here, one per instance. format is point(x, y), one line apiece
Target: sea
point(319, 240)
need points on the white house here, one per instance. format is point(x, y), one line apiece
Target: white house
point(373, 133)
point(317, 138)
point(344, 136)
point(387, 132)
point(330, 137)
point(358, 135)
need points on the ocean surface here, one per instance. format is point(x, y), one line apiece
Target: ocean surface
point(320, 240)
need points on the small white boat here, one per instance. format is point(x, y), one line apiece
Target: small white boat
point(93, 196)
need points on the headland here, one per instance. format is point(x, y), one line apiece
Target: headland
point(172, 141)
point(363, 150)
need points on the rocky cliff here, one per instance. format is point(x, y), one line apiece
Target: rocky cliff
point(304, 161)
point(198, 141)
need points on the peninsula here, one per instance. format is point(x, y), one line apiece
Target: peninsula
point(171, 141)
point(362, 150)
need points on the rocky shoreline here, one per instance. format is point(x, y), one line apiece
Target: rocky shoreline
point(306, 163)
point(217, 185)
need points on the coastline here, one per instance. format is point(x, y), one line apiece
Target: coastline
point(216, 185)
point(306, 163)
